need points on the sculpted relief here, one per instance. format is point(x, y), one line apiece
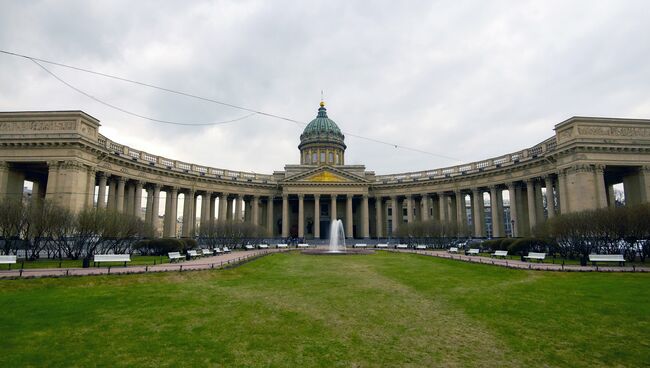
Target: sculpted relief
point(9, 126)
point(614, 131)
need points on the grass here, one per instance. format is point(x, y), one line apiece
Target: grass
point(72, 263)
point(293, 310)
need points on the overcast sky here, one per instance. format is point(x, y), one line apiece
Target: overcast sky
point(464, 79)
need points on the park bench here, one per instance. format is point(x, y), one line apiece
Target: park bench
point(360, 245)
point(218, 251)
point(175, 256)
point(263, 246)
point(283, 246)
point(593, 258)
point(472, 251)
point(206, 252)
point(111, 258)
point(420, 247)
point(401, 246)
point(226, 250)
point(193, 254)
point(303, 245)
point(8, 260)
point(249, 247)
point(500, 253)
point(537, 256)
point(382, 245)
point(453, 250)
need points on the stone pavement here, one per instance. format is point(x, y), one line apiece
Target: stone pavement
point(510, 263)
point(206, 263)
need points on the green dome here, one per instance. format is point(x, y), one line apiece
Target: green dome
point(322, 125)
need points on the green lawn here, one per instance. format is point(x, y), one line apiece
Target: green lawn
point(71, 263)
point(293, 310)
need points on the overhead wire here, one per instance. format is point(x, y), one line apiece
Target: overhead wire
point(190, 95)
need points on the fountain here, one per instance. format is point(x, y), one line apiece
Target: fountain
point(337, 243)
point(337, 237)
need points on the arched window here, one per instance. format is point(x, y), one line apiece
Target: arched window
point(314, 158)
point(331, 158)
point(337, 159)
point(322, 157)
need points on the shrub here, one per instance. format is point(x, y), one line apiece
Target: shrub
point(505, 243)
point(494, 244)
point(189, 243)
point(165, 245)
point(525, 245)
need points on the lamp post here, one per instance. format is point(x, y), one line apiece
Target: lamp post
point(512, 228)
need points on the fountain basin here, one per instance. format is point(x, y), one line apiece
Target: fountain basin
point(347, 252)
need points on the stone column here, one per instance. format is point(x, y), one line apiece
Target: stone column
point(409, 209)
point(561, 192)
point(301, 215)
point(461, 213)
point(206, 215)
point(379, 225)
point(269, 216)
point(112, 193)
point(348, 217)
point(512, 193)
point(223, 207)
point(550, 201)
point(601, 191)
point(137, 199)
point(101, 192)
point(365, 221)
point(173, 202)
point(530, 196)
point(90, 191)
point(611, 196)
point(120, 194)
point(238, 207)
point(478, 212)
point(644, 175)
point(187, 208)
point(333, 208)
point(129, 194)
point(155, 207)
point(396, 215)
point(4, 177)
point(285, 215)
point(149, 207)
point(425, 207)
point(317, 216)
point(500, 222)
point(442, 206)
point(255, 210)
point(494, 209)
point(167, 224)
point(539, 201)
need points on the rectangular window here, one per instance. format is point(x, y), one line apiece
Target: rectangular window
point(322, 157)
point(331, 160)
point(314, 158)
point(390, 211)
point(337, 159)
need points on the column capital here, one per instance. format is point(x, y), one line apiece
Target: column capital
point(301, 196)
point(256, 197)
point(316, 196)
point(477, 190)
point(511, 185)
point(100, 174)
point(458, 192)
point(493, 187)
point(156, 186)
point(349, 196)
point(364, 196)
point(174, 189)
point(408, 196)
point(285, 196)
point(120, 179)
point(139, 182)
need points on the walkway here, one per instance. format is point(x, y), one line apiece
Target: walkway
point(198, 264)
point(510, 263)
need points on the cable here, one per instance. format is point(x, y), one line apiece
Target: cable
point(252, 111)
point(132, 113)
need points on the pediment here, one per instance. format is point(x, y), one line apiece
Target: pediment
point(326, 174)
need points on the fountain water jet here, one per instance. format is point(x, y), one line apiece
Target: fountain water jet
point(337, 237)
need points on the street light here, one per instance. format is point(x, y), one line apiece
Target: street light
point(512, 229)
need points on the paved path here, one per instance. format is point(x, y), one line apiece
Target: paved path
point(198, 264)
point(510, 263)
point(241, 256)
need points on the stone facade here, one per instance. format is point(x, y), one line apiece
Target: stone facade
point(70, 163)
